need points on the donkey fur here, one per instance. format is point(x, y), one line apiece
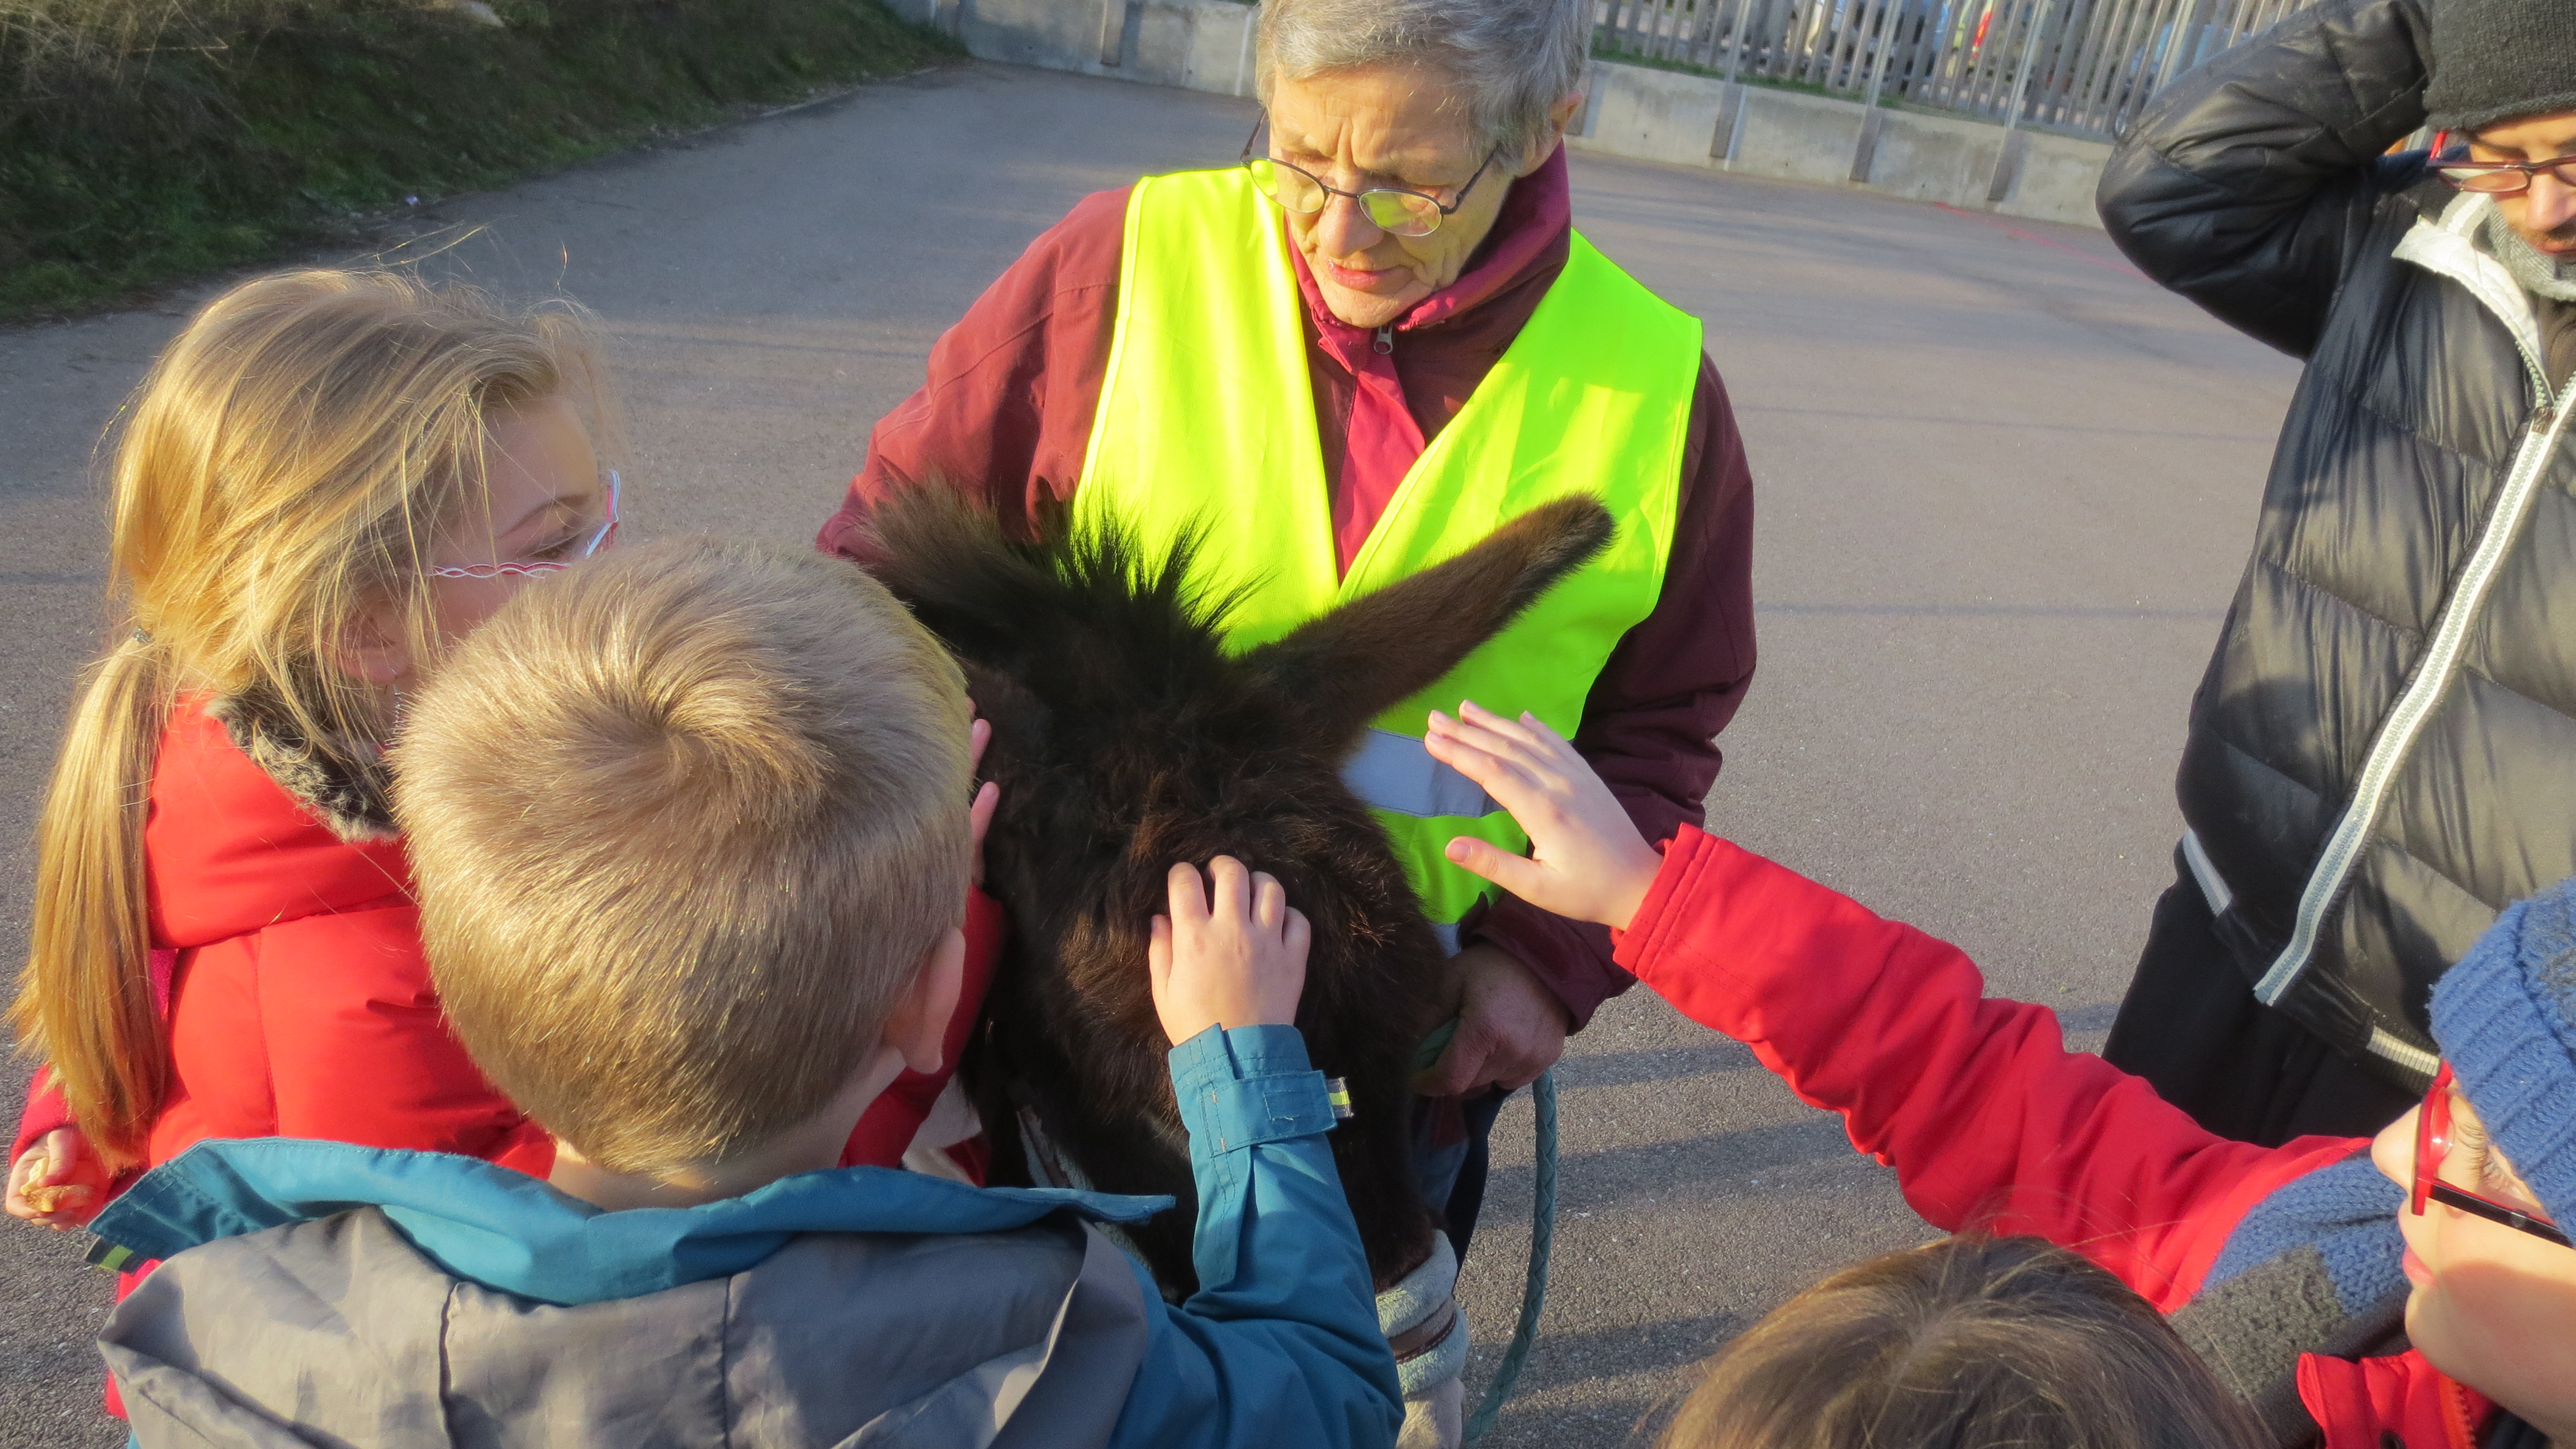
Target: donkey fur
point(1125, 738)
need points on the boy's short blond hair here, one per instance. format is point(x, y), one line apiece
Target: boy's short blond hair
point(685, 823)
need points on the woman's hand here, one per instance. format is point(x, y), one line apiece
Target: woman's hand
point(59, 1182)
point(1511, 1028)
point(1586, 859)
point(1239, 960)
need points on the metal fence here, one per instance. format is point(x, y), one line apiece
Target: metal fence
point(2080, 66)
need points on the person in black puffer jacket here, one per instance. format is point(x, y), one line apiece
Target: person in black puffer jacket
point(2383, 752)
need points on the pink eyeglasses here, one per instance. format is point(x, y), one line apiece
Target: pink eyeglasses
point(573, 550)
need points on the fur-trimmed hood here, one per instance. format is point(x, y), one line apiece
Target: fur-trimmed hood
point(252, 827)
point(343, 782)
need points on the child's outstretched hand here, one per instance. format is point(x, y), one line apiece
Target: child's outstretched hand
point(1586, 859)
point(1237, 961)
point(58, 1182)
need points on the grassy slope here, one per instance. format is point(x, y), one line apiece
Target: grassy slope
point(291, 128)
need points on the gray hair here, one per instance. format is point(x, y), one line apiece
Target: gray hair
point(1512, 59)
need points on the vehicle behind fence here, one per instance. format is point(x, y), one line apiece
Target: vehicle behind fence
point(2083, 67)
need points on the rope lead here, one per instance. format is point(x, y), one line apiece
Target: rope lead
point(1542, 1242)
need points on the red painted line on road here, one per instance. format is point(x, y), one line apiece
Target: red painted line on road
point(2016, 232)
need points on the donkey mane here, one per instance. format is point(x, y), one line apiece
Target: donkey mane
point(1127, 737)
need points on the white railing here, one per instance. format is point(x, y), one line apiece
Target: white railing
point(2084, 67)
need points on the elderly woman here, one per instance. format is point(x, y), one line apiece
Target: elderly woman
point(1347, 358)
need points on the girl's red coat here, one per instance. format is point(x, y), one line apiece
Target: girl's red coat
point(1984, 1114)
point(301, 1005)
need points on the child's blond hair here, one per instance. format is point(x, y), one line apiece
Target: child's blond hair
point(286, 465)
point(685, 822)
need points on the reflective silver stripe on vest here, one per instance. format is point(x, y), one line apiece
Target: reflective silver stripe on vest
point(2397, 734)
point(1394, 772)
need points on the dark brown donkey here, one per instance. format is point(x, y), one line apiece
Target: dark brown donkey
point(1125, 738)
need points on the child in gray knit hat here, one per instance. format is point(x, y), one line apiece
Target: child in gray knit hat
point(2412, 1290)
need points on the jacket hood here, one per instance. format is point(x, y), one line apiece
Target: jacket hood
point(250, 827)
point(508, 1231)
point(438, 1301)
point(343, 782)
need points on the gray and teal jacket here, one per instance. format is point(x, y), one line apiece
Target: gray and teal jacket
point(319, 1293)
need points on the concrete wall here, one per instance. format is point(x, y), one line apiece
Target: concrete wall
point(1655, 115)
point(2057, 178)
point(1691, 120)
point(1200, 45)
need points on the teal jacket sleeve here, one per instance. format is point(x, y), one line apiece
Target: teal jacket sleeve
point(1280, 1345)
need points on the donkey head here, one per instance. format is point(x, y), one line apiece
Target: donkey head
point(1125, 738)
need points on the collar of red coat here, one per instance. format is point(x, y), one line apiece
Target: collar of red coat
point(1529, 232)
point(2357, 1401)
point(232, 852)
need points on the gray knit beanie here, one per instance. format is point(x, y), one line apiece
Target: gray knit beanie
point(2500, 60)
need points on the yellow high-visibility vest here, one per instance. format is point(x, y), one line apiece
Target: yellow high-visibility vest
point(1207, 420)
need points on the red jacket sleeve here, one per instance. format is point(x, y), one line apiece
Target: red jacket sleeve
point(887, 1127)
point(1988, 1120)
point(1671, 685)
point(359, 1051)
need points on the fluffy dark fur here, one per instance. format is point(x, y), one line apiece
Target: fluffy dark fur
point(346, 784)
point(1125, 738)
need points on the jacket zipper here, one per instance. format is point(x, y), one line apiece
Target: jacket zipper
point(2398, 730)
point(2397, 733)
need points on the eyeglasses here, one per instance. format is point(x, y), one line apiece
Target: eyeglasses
point(572, 550)
point(2498, 178)
point(2433, 1143)
point(1395, 209)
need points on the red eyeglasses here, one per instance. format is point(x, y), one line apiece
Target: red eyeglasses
point(2433, 1143)
point(2495, 178)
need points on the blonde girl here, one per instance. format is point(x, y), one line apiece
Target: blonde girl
point(326, 478)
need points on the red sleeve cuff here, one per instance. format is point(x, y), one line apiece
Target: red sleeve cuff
point(1633, 947)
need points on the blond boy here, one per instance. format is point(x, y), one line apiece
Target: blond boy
point(691, 836)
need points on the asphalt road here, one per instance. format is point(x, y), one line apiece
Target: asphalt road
point(2004, 487)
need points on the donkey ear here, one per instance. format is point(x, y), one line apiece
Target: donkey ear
point(1347, 667)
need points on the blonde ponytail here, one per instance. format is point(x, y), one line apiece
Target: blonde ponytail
point(90, 953)
point(287, 465)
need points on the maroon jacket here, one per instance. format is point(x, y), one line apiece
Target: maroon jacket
point(1007, 412)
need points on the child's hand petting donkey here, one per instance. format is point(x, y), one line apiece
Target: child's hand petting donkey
point(1237, 961)
point(1586, 859)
